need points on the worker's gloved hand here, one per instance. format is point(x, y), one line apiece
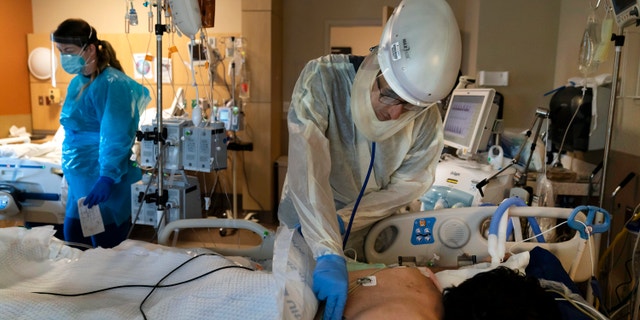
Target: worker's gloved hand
point(100, 191)
point(330, 284)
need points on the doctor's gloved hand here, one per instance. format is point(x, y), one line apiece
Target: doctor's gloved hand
point(330, 284)
point(100, 191)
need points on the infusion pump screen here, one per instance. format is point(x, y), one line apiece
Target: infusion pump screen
point(462, 118)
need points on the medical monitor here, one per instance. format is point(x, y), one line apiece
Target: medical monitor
point(626, 11)
point(469, 120)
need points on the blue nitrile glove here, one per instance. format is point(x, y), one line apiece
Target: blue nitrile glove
point(330, 284)
point(341, 224)
point(100, 191)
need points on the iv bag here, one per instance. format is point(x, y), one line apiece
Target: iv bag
point(602, 51)
point(587, 63)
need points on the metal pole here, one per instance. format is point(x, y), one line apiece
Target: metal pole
point(619, 42)
point(160, 211)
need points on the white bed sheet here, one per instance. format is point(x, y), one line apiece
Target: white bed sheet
point(49, 151)
point(33, 261)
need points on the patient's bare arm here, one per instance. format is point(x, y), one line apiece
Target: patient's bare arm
point(398, 293)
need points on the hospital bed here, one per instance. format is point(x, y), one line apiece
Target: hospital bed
point(31, 181)
point(40, 277)
point(272, 280)
point(458, 237)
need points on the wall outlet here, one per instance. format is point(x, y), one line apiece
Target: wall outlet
point(211, 41)
point(54, 95)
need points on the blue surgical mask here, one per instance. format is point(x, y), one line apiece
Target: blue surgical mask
point(72, 63)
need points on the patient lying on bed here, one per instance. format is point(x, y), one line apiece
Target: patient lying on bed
point(501, 293)
point(393, 293)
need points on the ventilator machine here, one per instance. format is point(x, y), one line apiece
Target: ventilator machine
point(469, 123)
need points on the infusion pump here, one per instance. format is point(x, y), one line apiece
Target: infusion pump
point(183, 200)
point(186, 147)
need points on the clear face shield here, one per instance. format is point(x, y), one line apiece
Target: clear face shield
point(419, 57)
point(71, 51)
point(362, 108)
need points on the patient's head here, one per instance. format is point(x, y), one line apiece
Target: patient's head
point(499, 294)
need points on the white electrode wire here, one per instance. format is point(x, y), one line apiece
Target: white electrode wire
point(589, 244)
point(534, 236)
point(565, 135)
point(590, 248)
point(583, 307)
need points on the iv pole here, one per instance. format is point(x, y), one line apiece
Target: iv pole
point(161, 199)
point(619, 42)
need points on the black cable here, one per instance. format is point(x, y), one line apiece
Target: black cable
point(186, 281)
point(626, 267)
point(155, 286)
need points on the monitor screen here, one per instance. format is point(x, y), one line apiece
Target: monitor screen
point(626, 11)
point(469, 119)
point(224, 116)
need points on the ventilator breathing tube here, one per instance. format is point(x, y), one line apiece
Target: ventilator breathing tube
point(498, 228)
point(355, 206)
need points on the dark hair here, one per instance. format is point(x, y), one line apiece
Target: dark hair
point(80, 33)
point(499, 294)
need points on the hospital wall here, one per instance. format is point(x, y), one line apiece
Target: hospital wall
point(16, 21)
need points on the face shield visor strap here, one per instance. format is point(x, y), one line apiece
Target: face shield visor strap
point(79, 41)
point(362, 111)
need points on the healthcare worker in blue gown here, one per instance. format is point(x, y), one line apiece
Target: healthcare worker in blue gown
point(100, 117)
point(342, 107)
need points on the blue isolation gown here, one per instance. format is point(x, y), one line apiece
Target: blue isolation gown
point(100, 119)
